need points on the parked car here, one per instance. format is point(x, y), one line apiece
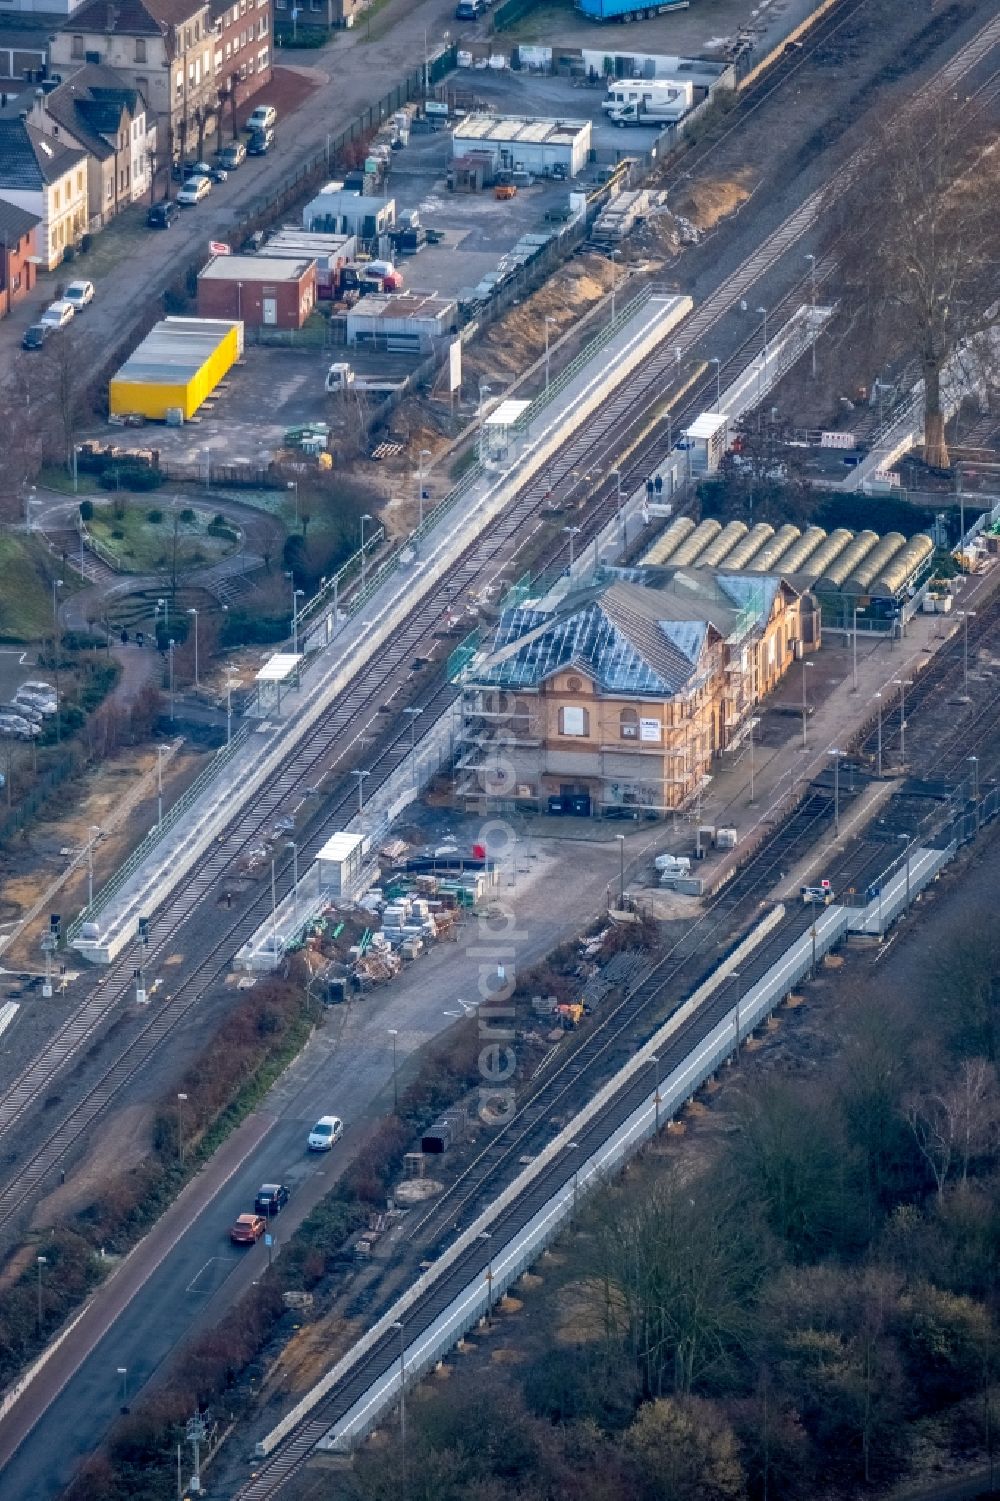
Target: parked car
point(327, 1130)
point(58, 314)
point(820, 896)
point(205, 169)
point(162, 215)
point(194, 190)
point(232, 156)
point(260, 142)
point(271, 1199)
point(247, 1230)
point(35, 336)
point(264, 117)
point(39, 685)
point(18, 728)
point(80, 294)
point(23, 711)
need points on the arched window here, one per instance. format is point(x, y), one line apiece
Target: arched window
point(574, 720)
point(628, 724)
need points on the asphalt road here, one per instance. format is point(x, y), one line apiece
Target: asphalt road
point(345, 1070)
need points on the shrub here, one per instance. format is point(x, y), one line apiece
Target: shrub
point(154, 517)
point(187, 516)
point(118, 533)
point(219, 529)
point(86, 510)
point(131, 477)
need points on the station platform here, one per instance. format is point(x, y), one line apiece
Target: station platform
point(336, 648)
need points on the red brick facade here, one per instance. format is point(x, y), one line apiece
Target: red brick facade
point(260, 301)
point(17, 274)
point(243, 57)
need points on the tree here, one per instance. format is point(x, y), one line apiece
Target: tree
point(686, 1451)
point(915, 236)
point(953, 1124)
point(673, 1276)
point(964, 990)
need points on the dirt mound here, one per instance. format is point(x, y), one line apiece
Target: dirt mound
point(707, 203)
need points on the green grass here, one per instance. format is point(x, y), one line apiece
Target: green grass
point(142, 546)
point(26, 573)
point(56, 477)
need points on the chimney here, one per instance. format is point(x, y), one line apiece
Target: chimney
point(37, 116)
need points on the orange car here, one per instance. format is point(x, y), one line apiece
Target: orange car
point(248, 1230)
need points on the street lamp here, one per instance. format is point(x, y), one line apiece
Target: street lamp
point(123, 1373)
point(94, 833)
point(487, 1237)
point(574, 1146)
point(293, 484)
point(161, 751)
point(394, 1033)
point(902, 684)
point(571, 532)
point(41, 1261)
point(170, 673)
point(974, 760)
point(812, 310)
point(805, 702)
point(548, 321)
point(836, 754)
point(614, 280)
point(654, 1059)
point(76, 469)
point(361, 786)
point(762, 374)
point(192, 611)
point(181, 1101)
point(621, 871)
point(56, 586)
point(414, 715)
point(878, 752)
point(715, 360)
point(290, 844)
point(425, 453)
point(618, 501)
point(364, 518)
point(397, 1324)
point(231, 683)
point(966, 615)
point(297, 594)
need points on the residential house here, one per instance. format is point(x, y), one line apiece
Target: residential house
point(98, 111)
point(18, 253)
point(164, 49)
point(242, 54)
point(617, 694)
point(326, 13)
point(47, 178)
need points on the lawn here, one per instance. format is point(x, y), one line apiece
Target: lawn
point(26, 573)
point(140, 534)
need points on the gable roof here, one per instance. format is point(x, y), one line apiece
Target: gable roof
point(15, 222)
point(91, 105)
point(615, 632)
point(131, 17)
point(31, 160)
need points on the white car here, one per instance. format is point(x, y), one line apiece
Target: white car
point(327, 1130)
point(80, 294)
point(264, 117)
point(58, 314)
point(194, 190)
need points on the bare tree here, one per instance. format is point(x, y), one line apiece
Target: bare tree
point(915, 237)
point(952, 1125)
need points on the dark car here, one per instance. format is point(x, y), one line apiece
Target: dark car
point(260, 142)
point(162, 215)
point(271, 1199)
point(35, 336)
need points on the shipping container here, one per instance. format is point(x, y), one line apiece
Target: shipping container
point(178, 364)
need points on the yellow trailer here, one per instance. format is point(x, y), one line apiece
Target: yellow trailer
point(178, 364)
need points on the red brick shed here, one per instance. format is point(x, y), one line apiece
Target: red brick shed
point(261, 291)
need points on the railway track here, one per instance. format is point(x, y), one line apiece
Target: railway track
point(609, 431)
point(611, 428)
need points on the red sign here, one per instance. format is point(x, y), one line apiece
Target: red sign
point(219, 247)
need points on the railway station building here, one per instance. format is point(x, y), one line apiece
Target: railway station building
point(616, 694)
